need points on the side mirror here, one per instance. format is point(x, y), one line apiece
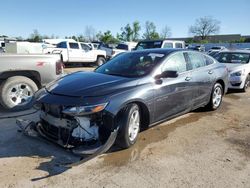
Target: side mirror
point(167, 74)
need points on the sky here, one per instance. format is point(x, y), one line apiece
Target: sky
point(70, 17)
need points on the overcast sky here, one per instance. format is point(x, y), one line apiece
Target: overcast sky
point(65, 17)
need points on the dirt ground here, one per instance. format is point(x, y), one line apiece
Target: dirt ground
point(199, 149)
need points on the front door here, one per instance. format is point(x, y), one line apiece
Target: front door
point(174, 95)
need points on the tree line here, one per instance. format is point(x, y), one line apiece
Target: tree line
point(135, 31)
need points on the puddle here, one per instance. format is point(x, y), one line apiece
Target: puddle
point(160, 132)
point(233, 96)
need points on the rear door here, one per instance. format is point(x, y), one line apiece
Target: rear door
point(87, 55)
point(202, 75)
point(174, 95)
point(74, 52)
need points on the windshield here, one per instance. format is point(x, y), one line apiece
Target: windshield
point(240, 58)
point(148, 45)
point(131, 64)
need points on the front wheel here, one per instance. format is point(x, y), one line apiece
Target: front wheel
point(216, 97)
point(130, 126)
point(100, 61)
point(247, 84)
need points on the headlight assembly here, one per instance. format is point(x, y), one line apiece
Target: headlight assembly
point(238, 73)
point(84, 110)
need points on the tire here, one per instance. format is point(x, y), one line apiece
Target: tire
point(128, 133)
point(247, 84)
point(100, 61)
point(16, 93)
point(216, 97)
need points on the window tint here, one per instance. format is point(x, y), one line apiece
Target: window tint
point(175, 63)
point(131, 64)
point(85, 47)
point(61, 45)
point(73, 45)
point(242, 58)
point(168, 45)
point(197, 60)
point(178, 45)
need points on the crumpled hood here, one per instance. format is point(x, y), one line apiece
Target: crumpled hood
point(90, 84)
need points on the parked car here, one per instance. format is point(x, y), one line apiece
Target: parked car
point(79, 52)
point(108, 49)
point(148, 44)
point(123, 47)
point(216, 49)
point(22, 75)
point(237, 61)
point(199, 48)
point(88, 111)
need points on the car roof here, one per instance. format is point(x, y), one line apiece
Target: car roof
point(236, 51)
point(160, 50)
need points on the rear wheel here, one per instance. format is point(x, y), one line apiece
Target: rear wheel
point(16, 92)
point(216, 97)
point(130, 126)
point(247, 84)
point(100, 61)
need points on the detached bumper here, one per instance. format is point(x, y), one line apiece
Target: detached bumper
point(35, 129)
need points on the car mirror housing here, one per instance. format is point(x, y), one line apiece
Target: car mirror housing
point(167, 74)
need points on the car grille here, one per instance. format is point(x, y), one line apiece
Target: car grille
point(54, 110)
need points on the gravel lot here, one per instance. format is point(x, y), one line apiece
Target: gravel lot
point(199, 149)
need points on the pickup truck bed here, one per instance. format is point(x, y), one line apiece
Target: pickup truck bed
point(21, 75)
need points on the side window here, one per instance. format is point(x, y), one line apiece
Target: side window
point(197, 60)
point(178, 45)
point(85, 47)
point(176, 63)
point(209, 61)
point(168, 45)
point(73, 45)
point(62, 45)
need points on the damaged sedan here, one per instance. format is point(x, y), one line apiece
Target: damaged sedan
point(88, 112)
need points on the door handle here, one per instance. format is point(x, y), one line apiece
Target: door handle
point(188, 78)
point(210, 72)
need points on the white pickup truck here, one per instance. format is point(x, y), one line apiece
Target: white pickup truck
point(79, 52)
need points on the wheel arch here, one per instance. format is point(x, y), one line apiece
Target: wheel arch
point(144, 112)
point(222, 83)
point(33, 75)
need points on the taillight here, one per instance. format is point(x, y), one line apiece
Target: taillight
point(59, 67)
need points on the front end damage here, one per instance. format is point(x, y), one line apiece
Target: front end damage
point(88, 134)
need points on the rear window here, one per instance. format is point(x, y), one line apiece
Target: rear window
point(240, 58)
point(148, 45)
point(197, 60)
point(73, 45)
point(178, 45)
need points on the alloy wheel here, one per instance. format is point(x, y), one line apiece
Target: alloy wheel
point(134, 125)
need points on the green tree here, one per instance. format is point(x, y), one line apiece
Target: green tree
point(107, 37)
point(136, 30)
point(150, 31)
point(130, 33)
point(35, 36)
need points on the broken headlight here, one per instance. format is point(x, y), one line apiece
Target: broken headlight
point(84, 110)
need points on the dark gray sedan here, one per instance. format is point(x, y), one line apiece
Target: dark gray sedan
point(88, 111)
